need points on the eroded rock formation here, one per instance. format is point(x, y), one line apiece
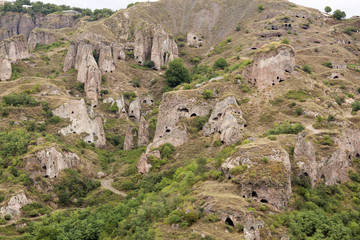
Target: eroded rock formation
point(227, 120)
point(143, 135)
point(174, 106)
point(14, 205)
point(77, 112)
point(129, 139)
point(333, 169)
point(15, 48)
point(42, 37)
point(53, 162)
point(271, 67)
point(144, 165)
point(5, 68)
point(263, 172)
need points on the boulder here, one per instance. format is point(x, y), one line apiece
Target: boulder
point(14, 205)
point(263, 172)
point(129, 139)
point(77, 112)
point(143, 135)
point(227, 120)
point(53, 162)
point(174, 106)
point(40, 37)
point(106, 60)
point(271, 67)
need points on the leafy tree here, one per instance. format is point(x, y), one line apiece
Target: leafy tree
point(338, 14)
point(220, 63)
point(177, 73)
point(328, 9)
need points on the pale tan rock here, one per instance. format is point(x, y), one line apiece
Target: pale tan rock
point(271, 67)
point(143, 165)
point(77, 112)
point(42, 37)
point(106, 60)
point(5, 68)
point(129, 139)
point(143, 135)
point(14, 205)
point(134, 110)
point(15, 48)
point(53, 161)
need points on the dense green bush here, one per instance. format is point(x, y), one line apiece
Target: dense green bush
point(14, 143)
point(285, 128)
point(306, 68)
point(20, 99)
point(114, 108)
point(177, 73)
point(355, 106)
point(220, 63)
point(338, 14)
point(207, 94)
point(328, 9)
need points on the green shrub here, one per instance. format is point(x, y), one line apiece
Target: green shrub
point(350, 30)
point(167, 150)
point(177, 73)
point(327, 64)
point(260, 8)
point(265, 160)
point(238, 169)
point(355, 106)
point(220, 63)
point(331, 118)
point(135, 83)
point(20, 99)
point(326, 140)
point(149, 64)
point(299, 111)
point(207, 94)
point(114, 108)
point(131, 96)
point(306, 68)
point(285, 128)
point(55, 120)
point(328, 9)
point(7, 217)
point(285, 41)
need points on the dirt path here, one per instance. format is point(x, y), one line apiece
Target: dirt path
point(106, 183)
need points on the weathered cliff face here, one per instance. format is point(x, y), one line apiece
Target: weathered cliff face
point(174, 106)
point(252, 227)
point(157, 45)
point(40, 37)
point(164, 49)
point(129, 139)
point(134, 110)
point(12, 24)
point(271, 67)
point(106, 60)
point(227, 120)
point(333, 169)
point(263, 173)
point(52, 162)
point(77, 112)
point(15, 48)
point(14, 205)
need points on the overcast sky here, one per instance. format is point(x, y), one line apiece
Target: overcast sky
point(351, 7)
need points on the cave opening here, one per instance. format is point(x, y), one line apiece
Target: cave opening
point(229, 222)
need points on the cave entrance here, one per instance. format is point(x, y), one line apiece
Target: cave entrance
point(229, 222)
point(254, 194)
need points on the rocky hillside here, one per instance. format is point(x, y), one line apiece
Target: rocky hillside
point(180, 119)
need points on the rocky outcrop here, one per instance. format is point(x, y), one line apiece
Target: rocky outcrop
point(322, 168)
point(271, 67)
point(174, 106)
point(106, 60)
point(53, 162)
point(164, 49)
point(15, 48)
point(252, 227)
point(134, 110)
point(155, 43)
point(143, 165)
point(227, 120)
point(88, 72)
point(70, 58)
point(12, 24)
point(77, 112)
point(5, 68)
point(143, 135)
point(14, 205)
point(129, 139)
point(40, 37)
point(263, 172)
